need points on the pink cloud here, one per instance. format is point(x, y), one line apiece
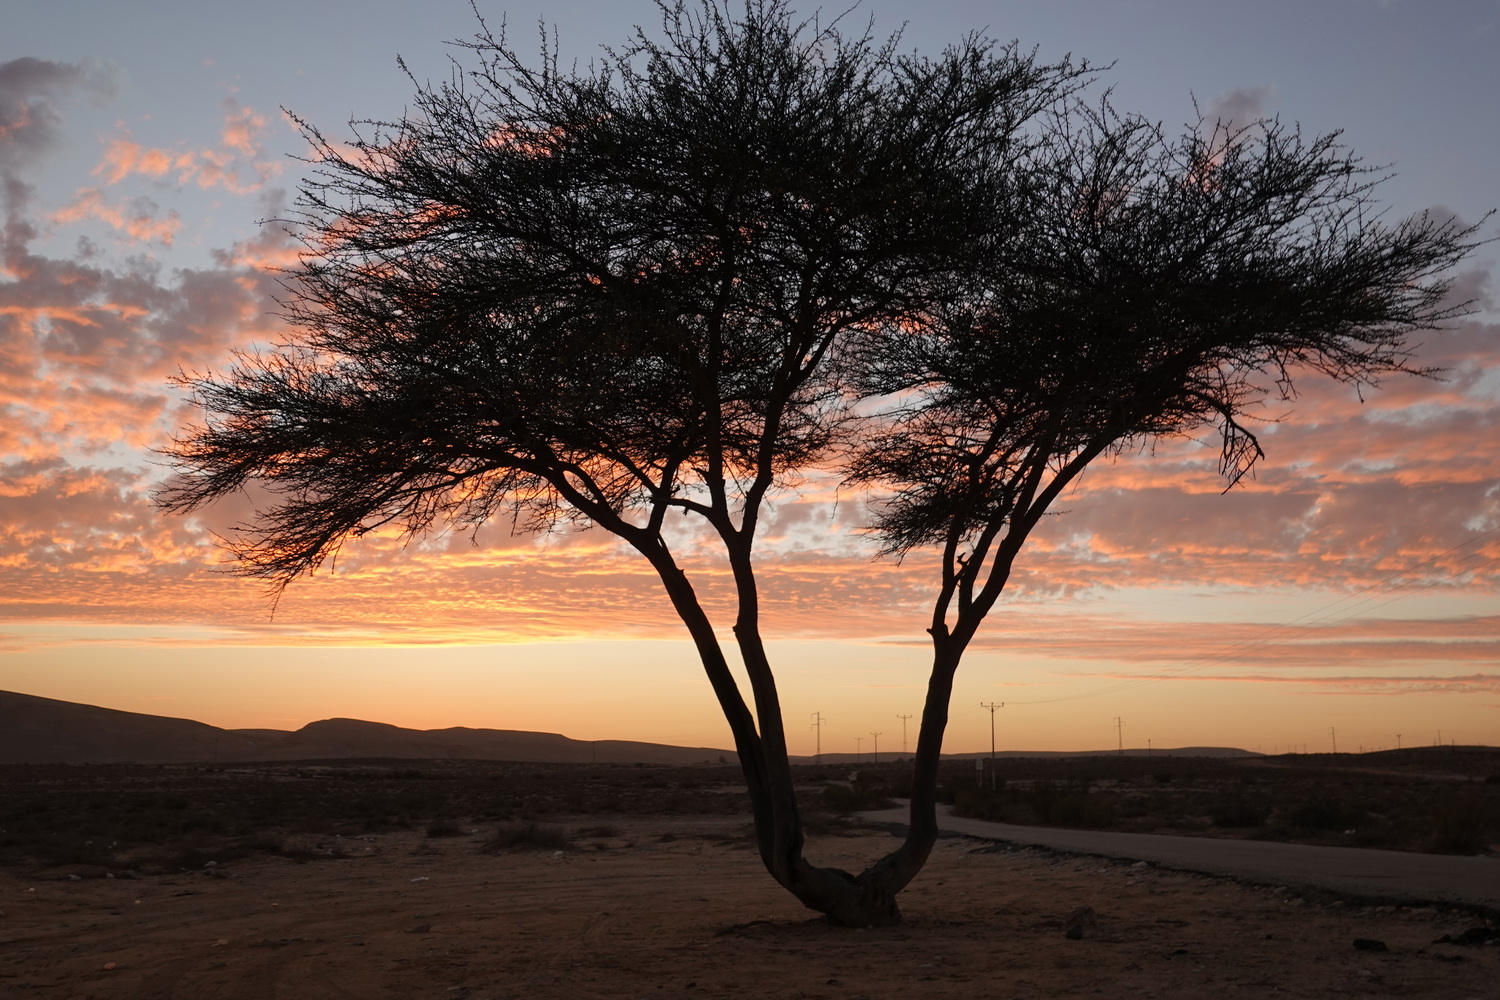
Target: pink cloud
point(1389, 492)
point(239, 164)
point(137, 218)
point(123, 157)
point(1462, 684)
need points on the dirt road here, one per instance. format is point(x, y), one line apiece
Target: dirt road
point(1392, 875)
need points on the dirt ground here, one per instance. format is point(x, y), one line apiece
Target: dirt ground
point(681, 907)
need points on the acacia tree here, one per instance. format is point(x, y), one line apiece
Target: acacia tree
point(605, 296)
point(664, 283)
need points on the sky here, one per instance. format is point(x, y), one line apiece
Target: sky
point(1348, 596)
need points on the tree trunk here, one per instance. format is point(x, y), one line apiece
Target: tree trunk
point(869, 898)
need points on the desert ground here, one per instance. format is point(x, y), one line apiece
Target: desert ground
point(681, 908)
point(483, 882)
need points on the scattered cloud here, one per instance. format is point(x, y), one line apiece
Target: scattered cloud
point(1394, 493)
point(138, 218)
point(239, 164)
point(1239, 107)
point(30, 89)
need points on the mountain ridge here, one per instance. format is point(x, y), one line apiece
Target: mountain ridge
point(39, 730)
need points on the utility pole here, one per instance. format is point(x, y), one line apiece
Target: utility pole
point(1398, 741)
point(817, 727)
point(1334, 735)
point(1120, 733)
point(903, 719)
point(994, 771)
point(875, 737)
point(859, 747)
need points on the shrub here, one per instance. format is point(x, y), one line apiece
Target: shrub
point(1462, 824)
point(1324, 813)
point(856, 796)
point(1240, 811)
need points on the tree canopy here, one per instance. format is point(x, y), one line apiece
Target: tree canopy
point(1158, 286)
point(754, 246)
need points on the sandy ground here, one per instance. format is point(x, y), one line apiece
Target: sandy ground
point(696, 916)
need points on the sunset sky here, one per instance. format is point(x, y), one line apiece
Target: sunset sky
point(1352, 586)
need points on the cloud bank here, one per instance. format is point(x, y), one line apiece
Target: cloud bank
point(1399, 491)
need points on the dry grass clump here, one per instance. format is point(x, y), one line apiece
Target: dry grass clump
point(527, 837)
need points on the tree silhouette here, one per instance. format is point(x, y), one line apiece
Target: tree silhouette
point(678, 279)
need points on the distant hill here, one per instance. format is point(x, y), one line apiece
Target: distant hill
point(1226, 752)
point(1127, 752)
point(45, 731)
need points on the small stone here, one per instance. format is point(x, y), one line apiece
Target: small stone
point(1369, 944)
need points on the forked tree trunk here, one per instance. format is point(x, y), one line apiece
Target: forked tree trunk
point(867, 899)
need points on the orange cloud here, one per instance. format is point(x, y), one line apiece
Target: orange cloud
point(136, 218)
point(239, 164)
point(1393, 493)
point(123, 157)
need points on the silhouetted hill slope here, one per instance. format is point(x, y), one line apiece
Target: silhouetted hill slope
point(1127, 752)
point(332, 738)
point(43, 731)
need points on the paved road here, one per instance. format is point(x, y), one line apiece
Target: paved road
point(1393, 875)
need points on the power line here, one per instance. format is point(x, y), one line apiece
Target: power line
point(992, 706)
point(903, 719)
